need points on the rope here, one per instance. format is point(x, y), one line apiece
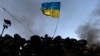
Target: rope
point(56, 28)
point(16, 19)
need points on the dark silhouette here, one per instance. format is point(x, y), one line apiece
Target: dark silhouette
point(44, 46)
point(5, 25)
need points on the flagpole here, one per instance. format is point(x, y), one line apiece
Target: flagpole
point(56, 28)
point(52, 6)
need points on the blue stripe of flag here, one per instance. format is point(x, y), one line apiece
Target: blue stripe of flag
point(51, 5)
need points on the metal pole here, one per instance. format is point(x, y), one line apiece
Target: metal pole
point(16, 19)
point(4, 26)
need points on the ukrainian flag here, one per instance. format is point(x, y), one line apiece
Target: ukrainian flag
point(51, 9)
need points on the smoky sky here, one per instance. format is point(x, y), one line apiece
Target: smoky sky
point(29, 13)
point(26, 12)
point(91, 29)
point(27, 17)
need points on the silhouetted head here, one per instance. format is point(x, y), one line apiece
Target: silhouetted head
point(17, 36)
point(35, 39)
point(8, 36)
point(57, 38)
point(46, 35)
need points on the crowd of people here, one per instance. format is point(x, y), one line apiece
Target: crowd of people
point(45, 46)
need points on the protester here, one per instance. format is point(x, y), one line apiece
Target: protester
point(45, 46)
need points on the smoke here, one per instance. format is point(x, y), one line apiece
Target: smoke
point(30, 10)
point(91, 30)
point(28, 13)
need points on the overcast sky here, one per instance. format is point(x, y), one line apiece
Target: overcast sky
point(72, 14)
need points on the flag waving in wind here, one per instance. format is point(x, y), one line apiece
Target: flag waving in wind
point(51, 9)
